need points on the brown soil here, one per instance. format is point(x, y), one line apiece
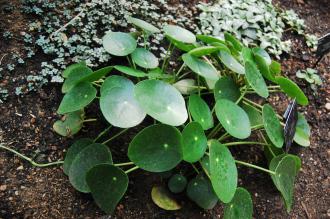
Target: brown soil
point(26, 124)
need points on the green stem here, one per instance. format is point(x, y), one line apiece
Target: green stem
point(199, 88)
point(90, 120)
point(242, 95)
point(102, 133)
point(166, 56)
point(246, 103)
point(244, 143)
point(115, 136)
point(123, 164)
point(254, 166)
point(251, 102)
point(268, 145)
point(222, 137)
point(30, 160)
point(195, 168)
point(214, 131)
point(132, 169)
point(257, 126)
point(180, 69)
point(129, 61)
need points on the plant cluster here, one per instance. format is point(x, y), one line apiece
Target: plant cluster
point(71, 31)
point(311, 76)
point(253, 22)
point(186, 128)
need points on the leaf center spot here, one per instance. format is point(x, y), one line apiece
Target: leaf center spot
point(195, 138)
point(114, 178)
point(165, 145)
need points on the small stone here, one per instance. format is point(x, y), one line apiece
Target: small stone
point(327, 106)
point(3, 187)
point(20, 168)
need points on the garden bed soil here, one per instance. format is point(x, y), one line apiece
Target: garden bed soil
point(26, 125)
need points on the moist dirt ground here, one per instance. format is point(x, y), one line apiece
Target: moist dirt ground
point(26, 125)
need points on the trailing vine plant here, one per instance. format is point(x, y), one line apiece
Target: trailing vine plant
point(186, 128)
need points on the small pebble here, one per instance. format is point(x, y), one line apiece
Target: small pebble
point(20, 168)
point(327, 106)
point(3, 187)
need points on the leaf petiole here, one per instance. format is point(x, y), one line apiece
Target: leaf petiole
point(132, 169)
point(254, 166)
point(115, 136)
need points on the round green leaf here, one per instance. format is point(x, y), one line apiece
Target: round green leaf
point(200, 67)
point(205, 163)
point(72, 68)
point(157, 148)
point(209, 39)
point(119, 44)
point(292, 90)
point(180, 34)
point(90, 156)
point(186, 86)
point(226, 88)
point(285, 174)
point(240, 207)
point(201, 192)
point(108, 185)
point(73, 151)
point(144, 58)
point(223, 171)
point(161, 101)
point(182, 46)
point(70, 124)
point(77, 98)
point(233, 118)
point(253, 114)
point(200, 111)
point(130, 71)
point(120, 108)
point(75, 77)
point(247, 54)
point(303, 131)
point(261, 52)
point(230, 62)
point(263, 67)
point(236, 44)
point(272, 126)
point(275, 68)
point(163, 199)
point(177, 183)
point(255, 79)
point(149, 28)
point(194, 142)
point(203, 51)
point(115, 81)
point(96, 75)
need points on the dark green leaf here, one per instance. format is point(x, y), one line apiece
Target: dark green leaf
point(87, 158)
point(230, 62)
point(272, 126)
point(261, 52)
point(292, 90)
point(200, 111)
point(223, 171)
point(255, 79)
point(130, 71)
point(108, 185)
point(201, 192)
point(73, 151)
point(194, 142)
point(203, 51)
point(177, 183)
point(72, 68)
point(200, 67)
point(233, 118)
point(75, 77)
point(144, 58)
point(115, 81)
point(157, 148)
point(77, 98)
point(254, 115)
point(209, 39)
point(226, 88)
point(240, 207)
point(236, 44)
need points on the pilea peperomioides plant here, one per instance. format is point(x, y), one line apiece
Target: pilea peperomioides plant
point(186, 128)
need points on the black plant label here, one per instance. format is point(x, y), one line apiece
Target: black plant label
point(291, 118)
